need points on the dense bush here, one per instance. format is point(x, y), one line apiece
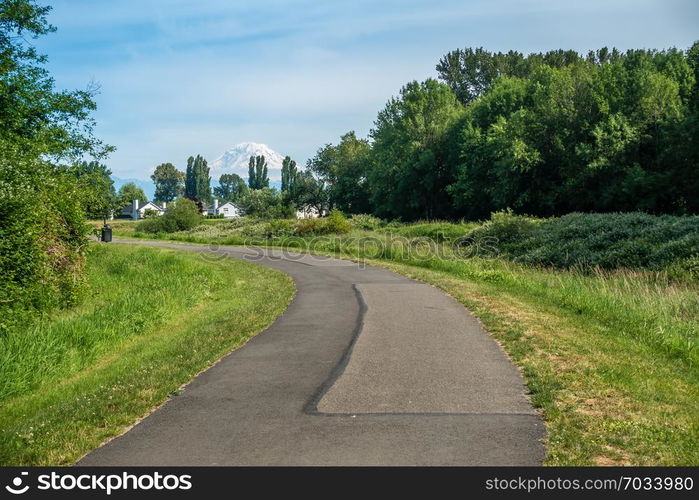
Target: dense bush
point(266, 203)
point(609, 241)
point(43, 235)
point(365, 221)
point(42, 205)
point(437, 231)
point(504, 228)
point(181, 215)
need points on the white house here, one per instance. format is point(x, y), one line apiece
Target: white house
point(136, 211)
point(308, 212)
point(228, 210)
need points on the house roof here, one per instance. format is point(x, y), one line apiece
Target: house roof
point(151, 204)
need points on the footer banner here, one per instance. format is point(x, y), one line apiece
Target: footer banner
point(225, 482)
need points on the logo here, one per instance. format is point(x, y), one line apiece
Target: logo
point(17, 483)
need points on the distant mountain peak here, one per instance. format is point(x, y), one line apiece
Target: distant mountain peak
point(235, 160)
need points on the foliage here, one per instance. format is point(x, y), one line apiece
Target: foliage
point(544, 134)
point(588, 241)
point(231, 187)
point(436, 231)
point(42, 206)
point(129, 192)
point(342, 169)
point(265, 203)
point(258, 177)
point(365, 221)
point(410, 169)
point(180, 215)
point(197, 184)
point(169, 182)
point(337, 222)
point(97, 188)
point(289, 175)
point(310, 192)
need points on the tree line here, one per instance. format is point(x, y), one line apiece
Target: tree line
point(543, 134)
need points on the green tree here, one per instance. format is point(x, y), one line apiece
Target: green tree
point(289, 173)
point(169, 182)
point(95, 183)
point(230, 188)
point(258, 177)
point(181, 215)
point(409, 168)
point(344, 169)
point(197, 179)
point(310, 191)
point(129, 192)
point(266, 203)
point(43, 235)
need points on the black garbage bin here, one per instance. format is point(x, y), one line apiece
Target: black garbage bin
point(106, 233)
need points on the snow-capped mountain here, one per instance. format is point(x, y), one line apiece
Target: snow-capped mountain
point(236, 159)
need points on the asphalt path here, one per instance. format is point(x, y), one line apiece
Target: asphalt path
point(365, 367)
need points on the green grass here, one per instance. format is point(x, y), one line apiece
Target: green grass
point(150, 320)
point(610, 357)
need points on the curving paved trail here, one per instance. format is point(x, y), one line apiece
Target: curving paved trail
point(365, 367)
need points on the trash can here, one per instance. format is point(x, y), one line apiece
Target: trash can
point(106, 233)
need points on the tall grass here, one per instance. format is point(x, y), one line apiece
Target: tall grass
point(150, 320)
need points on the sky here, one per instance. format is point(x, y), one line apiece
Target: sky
point(181, 77)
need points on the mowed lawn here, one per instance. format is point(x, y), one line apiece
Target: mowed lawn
point(149, 321)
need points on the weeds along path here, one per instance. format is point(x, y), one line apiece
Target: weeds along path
point(365, 367)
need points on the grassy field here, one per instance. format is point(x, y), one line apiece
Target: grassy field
point(610, 356)
point(150, 320)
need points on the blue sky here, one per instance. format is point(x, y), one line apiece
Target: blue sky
point(182, 77)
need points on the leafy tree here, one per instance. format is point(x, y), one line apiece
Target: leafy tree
point(266, 203)
point(129, 192)
point(95, 183)
point(169, 182)
point(343, 169)
point(43, 234)
point(181, 215)
point(310, 191)
point(230, 188)
point(289, 173)
point(197, 179)
point(258, 177)
point(409, 169)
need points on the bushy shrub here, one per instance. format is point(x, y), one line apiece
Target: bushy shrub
point(365, 221)
point(180, 215)
point(311, 227)
point(505, 228)
point(280, 227)
point(264, 203)
point(337, 222)
point(631, 240)
point(43, 237)
point(436, 231)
